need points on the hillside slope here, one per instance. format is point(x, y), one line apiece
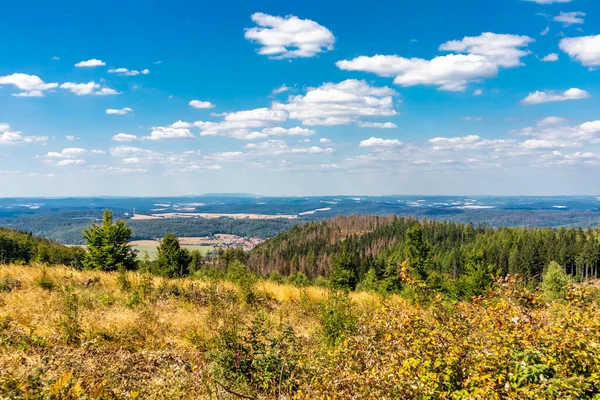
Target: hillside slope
point(23, 247)
point(372, 242)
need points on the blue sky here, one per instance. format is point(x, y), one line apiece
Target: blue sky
point(149, 98)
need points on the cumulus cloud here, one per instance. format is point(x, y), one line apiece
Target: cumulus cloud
point(540, 97)
point(120, 111)
point(289, 37)
point(480, 57)
point(585, 49)
point(378, 142)
point(91, 63)
point(90, 88)
point(10, 137)
point(178, 130)
point(559, 135)
point(378, 125)
point(570, 18)
point(240, 123)
point(552, 57)
point(340, 103)
point(72, 138)
point(128, 72)
point(201, 104)
point(124, 137)
point(70, 152)
point(324, 141)
point(32, 85)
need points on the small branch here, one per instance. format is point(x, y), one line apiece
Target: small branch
point(233, 392)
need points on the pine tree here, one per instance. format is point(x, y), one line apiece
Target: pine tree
point(108, 246)
point(172, 260)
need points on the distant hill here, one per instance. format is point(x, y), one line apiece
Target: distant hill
point(375, 242)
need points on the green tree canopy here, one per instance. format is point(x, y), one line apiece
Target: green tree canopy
point(108, 246)
point(172, 259)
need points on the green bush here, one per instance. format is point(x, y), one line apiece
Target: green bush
point(336, 318)
point(555, 282)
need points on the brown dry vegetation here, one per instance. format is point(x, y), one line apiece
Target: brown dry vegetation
point(67, 334)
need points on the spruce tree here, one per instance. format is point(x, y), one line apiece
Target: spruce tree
point(108, 246)
point(172, 259)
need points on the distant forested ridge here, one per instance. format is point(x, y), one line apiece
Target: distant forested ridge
point(23, 248)
point(375, 242)
point(67, 227)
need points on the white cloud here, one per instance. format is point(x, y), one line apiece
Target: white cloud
point(278, 147)
point(238, 124)
point(545, 31)
point(281, 89)
point(324, 141)
point(378, 125)
point(55, 58)
point(470, 142)
point(201, 104)
point(31, 85)
point(485, 55)
point(31, 93)
point(296, 131)
point(478, 92)
point(124, 137)
point(471, 118)
point(558, 135)
point(70, 152)
point(570, 18)
point(120, 111)
point(90, 88)
point(540, 97)
point(551, 121)
point(548, 1)
point(552, 57)
point(72, 138)
point(91, 63)
point(127, 72)
point(8, 137)
point(378, 142)
point(66, 163)
point(178, 130)
point(289, 37)
point(129, 151)
point(585, 49)
point(17, 137)
point(340, 103)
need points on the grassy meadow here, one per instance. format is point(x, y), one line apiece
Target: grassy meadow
point(68, 334)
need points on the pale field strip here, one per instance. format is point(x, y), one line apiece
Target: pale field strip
point(210, 216)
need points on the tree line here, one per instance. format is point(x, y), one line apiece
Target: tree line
point(372, 248)
point(366, 252)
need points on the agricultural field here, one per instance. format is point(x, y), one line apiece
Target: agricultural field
point(204, 245)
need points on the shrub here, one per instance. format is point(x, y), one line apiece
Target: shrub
point(245, 280)
point(70, 324)
point(336, 318)
point(44, 281)
point(555, 282)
